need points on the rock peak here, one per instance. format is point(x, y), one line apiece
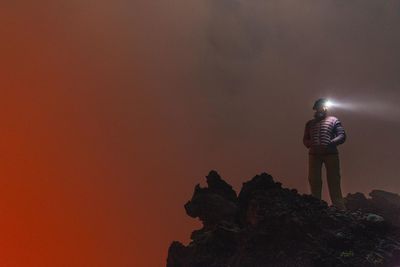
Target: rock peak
point(269, 225)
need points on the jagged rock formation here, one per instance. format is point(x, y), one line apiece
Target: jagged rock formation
point(268, 225)
point(382, 203)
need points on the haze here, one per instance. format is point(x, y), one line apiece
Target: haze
point(112, 111)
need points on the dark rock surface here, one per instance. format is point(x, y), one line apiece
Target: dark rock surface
point(268, 225)
point(382, 203)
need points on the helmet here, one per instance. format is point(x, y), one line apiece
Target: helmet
point(320, 102)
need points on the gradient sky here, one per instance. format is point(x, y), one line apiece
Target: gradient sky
point(112, 111)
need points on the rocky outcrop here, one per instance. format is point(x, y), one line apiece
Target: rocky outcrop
point(382, 203)
point(268, 225)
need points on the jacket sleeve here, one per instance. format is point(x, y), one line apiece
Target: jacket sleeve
point(340, 134)
point(306, 136)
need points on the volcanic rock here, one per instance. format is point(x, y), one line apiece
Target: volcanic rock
point(268, 225)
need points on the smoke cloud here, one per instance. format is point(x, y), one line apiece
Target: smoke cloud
point(113, 110)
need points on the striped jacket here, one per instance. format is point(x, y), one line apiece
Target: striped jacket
point(324, 135)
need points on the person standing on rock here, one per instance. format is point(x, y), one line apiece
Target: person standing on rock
point(322, 135)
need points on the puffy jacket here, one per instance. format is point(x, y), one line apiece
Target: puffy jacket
point(322, 136)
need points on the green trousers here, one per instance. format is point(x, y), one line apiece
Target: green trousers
point(332, 166)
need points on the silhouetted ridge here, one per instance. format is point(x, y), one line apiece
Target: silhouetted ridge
point(268, 225)
point(385, 204)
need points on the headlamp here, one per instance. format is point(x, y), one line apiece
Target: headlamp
point(328, 104)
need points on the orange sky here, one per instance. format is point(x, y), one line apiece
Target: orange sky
point(112, 111)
